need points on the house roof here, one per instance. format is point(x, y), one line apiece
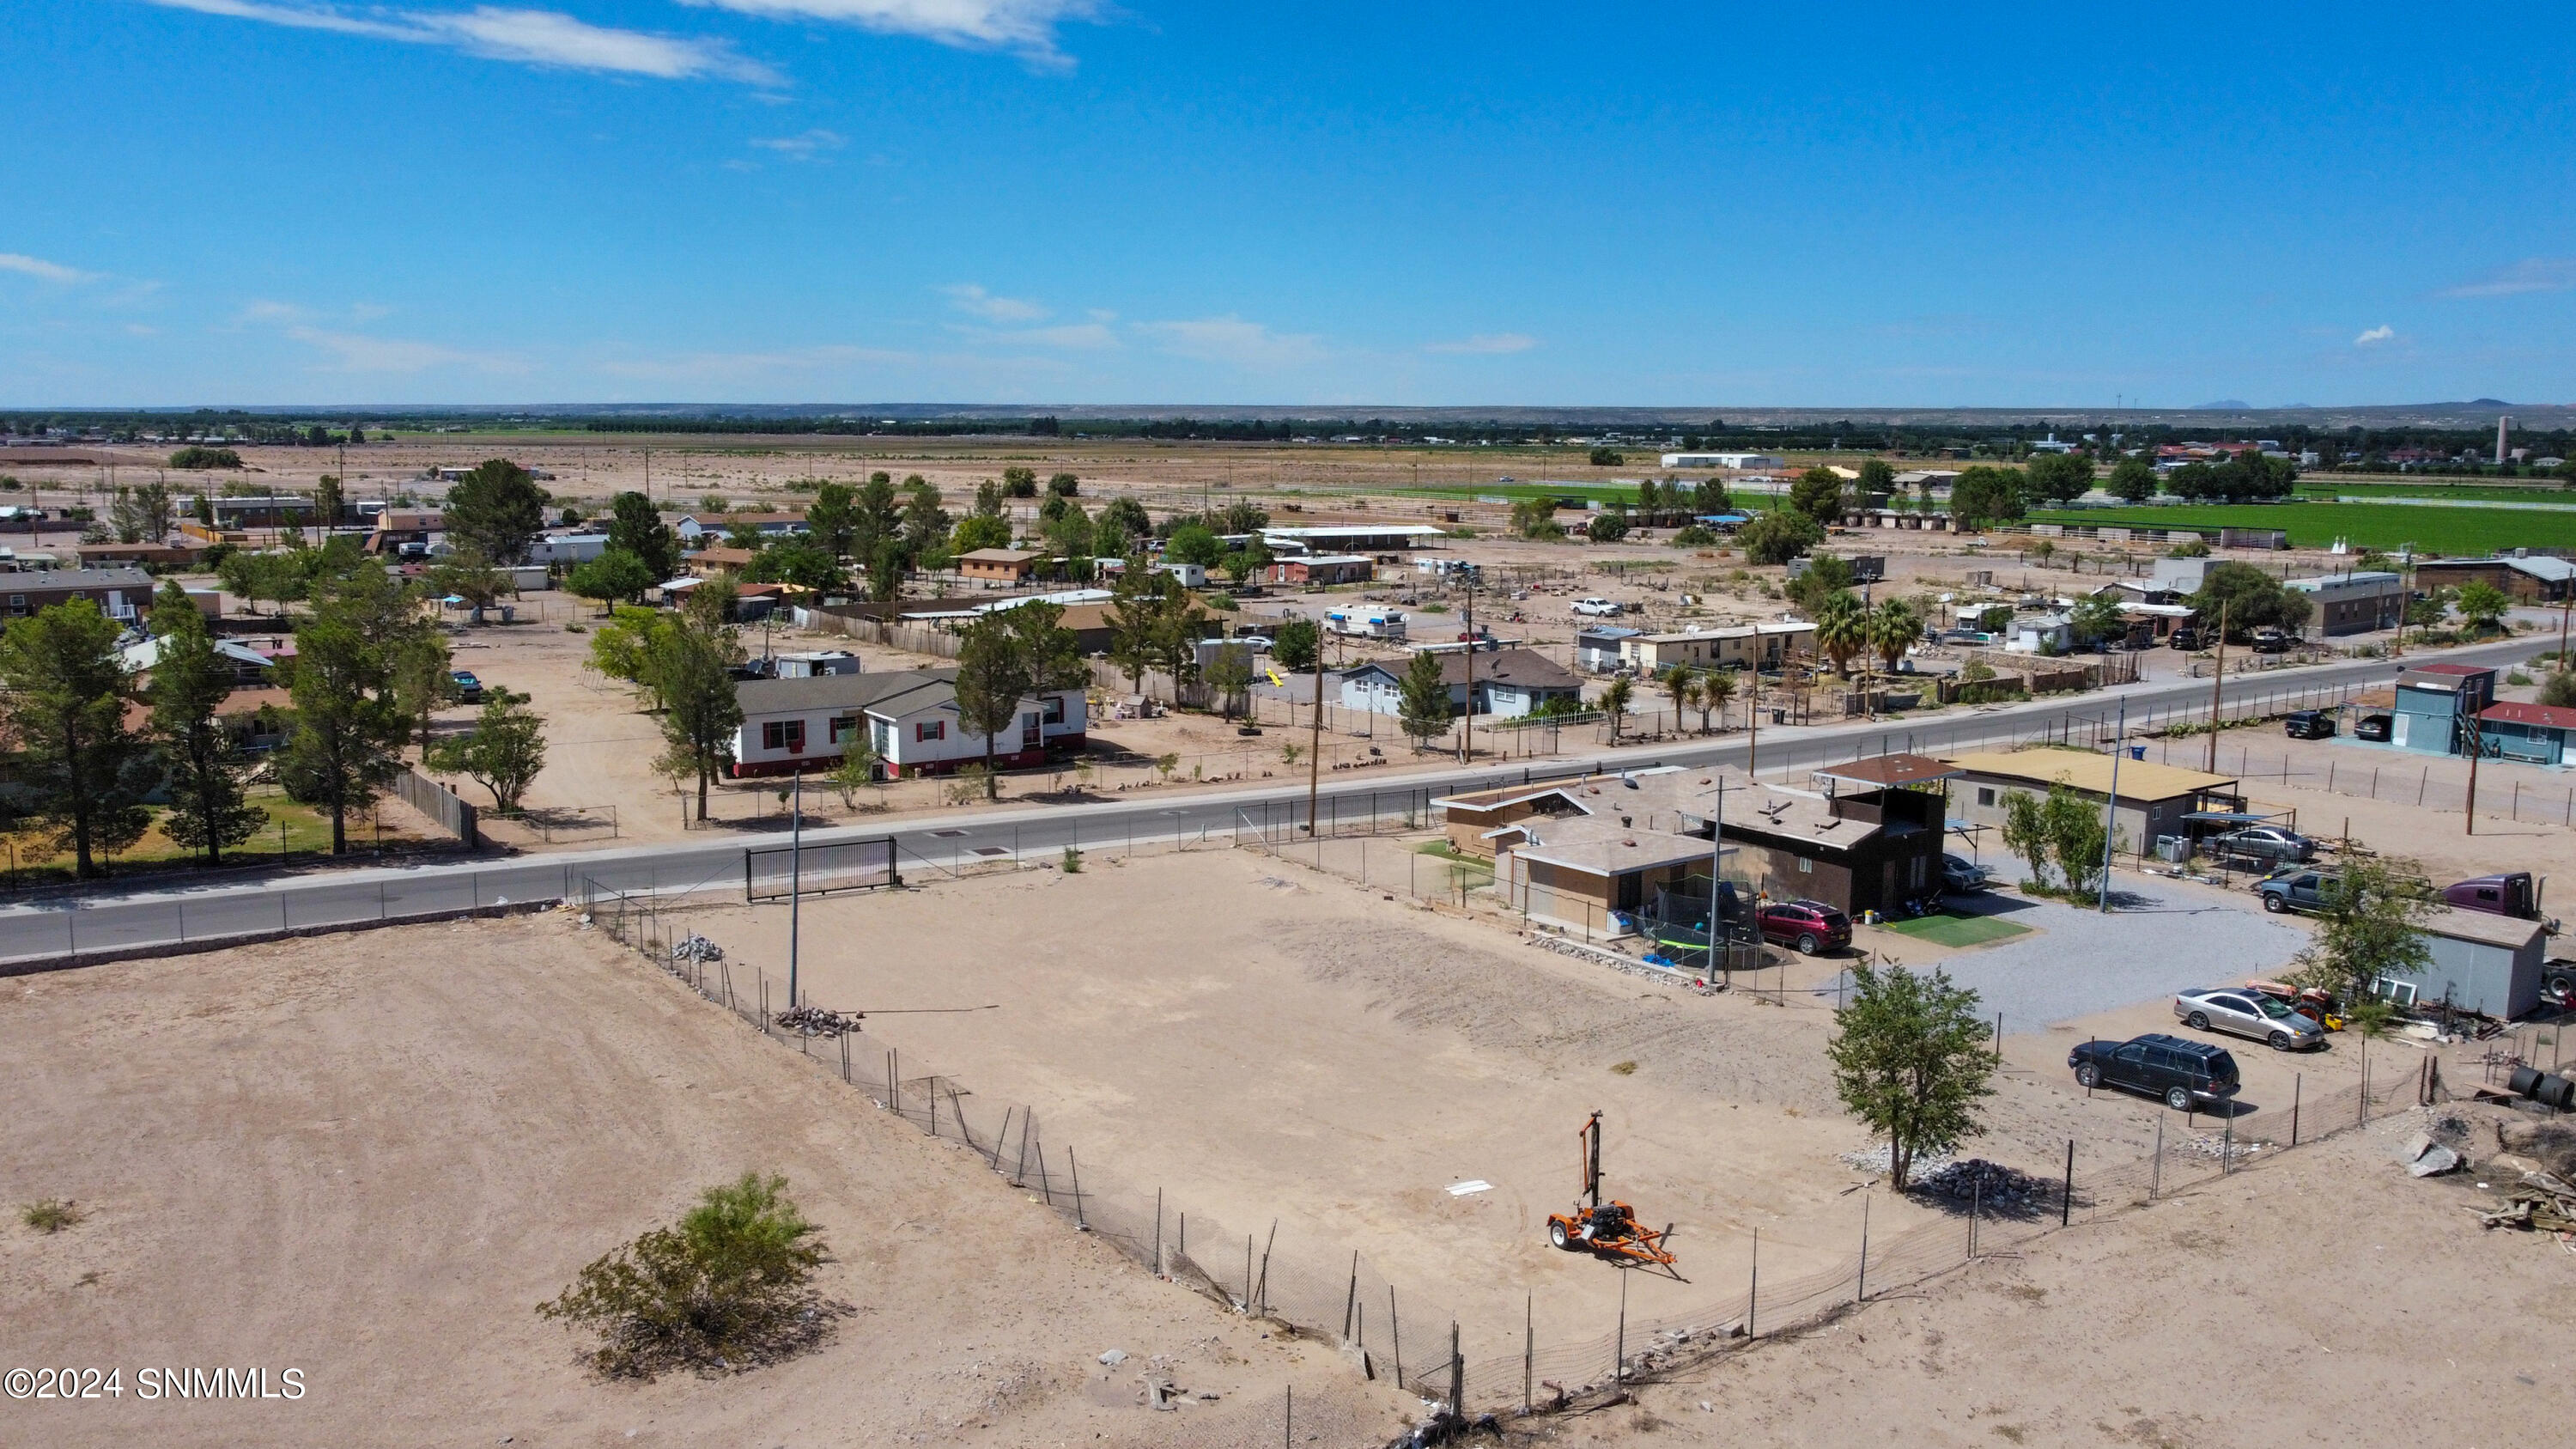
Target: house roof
point(1731, 631)
point(2457, 671)
point(2550, 716)
point(2484, 927)
point(2091, 773)
point(835, 691)
point(66, 580)
point(1525, 668)
point(740, 520)
point(1676, 800)
point(1605, 847)
point(997, 556)
point(729, 557)
point(143, 654)
point(2542, 567)
point(1882, 771)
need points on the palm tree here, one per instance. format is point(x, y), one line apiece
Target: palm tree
point(1714, 691)
point(1614, 703)
point(1893, 628)
point(1842, 628)
point(1683, 686)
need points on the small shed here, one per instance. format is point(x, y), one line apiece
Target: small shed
point(1597, 649)
point(2484, 963)
point(998, 565)
point(2537, 733)
point(2437, 702)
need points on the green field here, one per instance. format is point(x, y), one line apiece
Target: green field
point(2384, 526)
point(1958, 931)
point(2537, 491)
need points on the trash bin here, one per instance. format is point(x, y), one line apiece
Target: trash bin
point(2137, 752)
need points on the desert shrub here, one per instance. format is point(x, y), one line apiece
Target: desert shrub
point(50, 1216)
point(728, 1289)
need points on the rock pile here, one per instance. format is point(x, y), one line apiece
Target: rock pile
point(815, 1021)
point(1991, 1183)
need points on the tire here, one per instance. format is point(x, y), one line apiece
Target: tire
point(1806, 944)
point(2278, 1041)
point(2178, 1098)
point(1556, 1234)
point(2275, 904)
point(2197, 1021)
point(2088, 1076)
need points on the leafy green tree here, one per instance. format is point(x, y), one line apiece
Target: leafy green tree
point(1894, 627)
point(1824, 576)
point(1194, 543)
point(468, 575)
point(1020, 482)
point(276, 577)
point(801, 562)
point(988, 498)
point(1614, 703)
point(496, 511)
point(1070, 533)
point(1242, 563)
point(1298, 645)
point(330, 506)
point(691, 667)
point(729, 1289)
point(979, 531)
point(2075, 838)
point(141, 513)
point(2249, 598)
point(925, 523)
point(503, 752)
point(1842, 629)
point(636, 529)
point(2483, 606)
point(833, 521)
point(615, 577)
point(1779, 535)
point(1535, 518)
point(1229, 675)
point(627, 648)
point(1876, 478)
point(1608, 458)
point(1127, 516)
point(1984, 495)
point(1818, 493)
point(2097, 617)
point(2133, 480)
point(857, 769)
point(1063, 485)
point(1692, 535)
point(1608, 526)
point(420, 678)
point(189, 680)
point(2369, 925)
point(2559, 690)
point(344, 748)
point(1005, 657)
point(2059, 477)
point(2026, 832)
point(62, 705)
point(1912, 1061)
point(1423, 705)
point(200, 458)
point(1709, 496)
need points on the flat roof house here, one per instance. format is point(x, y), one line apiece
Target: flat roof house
point(910, 717)
point(1597, 648)
point(2534, 580)
point(1509, 683)
point(2153, 798)
point(1353, 537)
point(2354, 603)
point(1318, 570)
point(123, 594)
point(1011, 566)
point(694, 527)
point(1740, 646)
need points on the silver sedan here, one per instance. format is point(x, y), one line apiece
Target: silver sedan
point(2248, 1014)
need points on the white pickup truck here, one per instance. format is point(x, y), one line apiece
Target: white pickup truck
point(1597, 607)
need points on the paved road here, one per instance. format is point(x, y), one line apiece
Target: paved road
point(93, 923)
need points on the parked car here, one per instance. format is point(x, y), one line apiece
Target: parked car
point(2295, 889)
point(2267, 842)
point(2374, 727)
point(1960, 878)
point(1596, 607)
point(2268, 640)
point(2185, 1074)
point(2184, 637)
point(1810, 926)
point(2249, 1014)
point(469, 690)
point(2309, 724)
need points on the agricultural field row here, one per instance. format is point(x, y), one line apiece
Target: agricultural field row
point(2385, 526)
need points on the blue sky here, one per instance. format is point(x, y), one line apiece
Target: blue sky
point(283, 201)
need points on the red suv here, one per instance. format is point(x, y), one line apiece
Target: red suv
point(1811, 926)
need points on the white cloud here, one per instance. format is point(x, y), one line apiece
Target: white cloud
point(2531, 274)
point(1487, 343)
point(1025, 26)
point(43, 270)
point(802, 148)
point(266, 311)
point(2375, 336)
point(530, 37)
point(705, 366)
point(356, 352)
point(969, 298)
point(1234, 342)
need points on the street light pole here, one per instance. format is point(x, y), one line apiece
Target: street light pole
point(2111, 817)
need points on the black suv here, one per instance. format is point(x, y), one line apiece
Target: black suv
point(2185, 1073)
point(2309, 724)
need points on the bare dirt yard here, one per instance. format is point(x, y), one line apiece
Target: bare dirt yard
point(369, 1157)
point(1259, 1042)
point(2326, 1299)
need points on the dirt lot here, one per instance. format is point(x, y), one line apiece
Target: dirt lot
point(1290, 1046)
point(368, 1157)
point(2325, 1299)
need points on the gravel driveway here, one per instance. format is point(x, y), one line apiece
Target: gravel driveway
point(2163, 939)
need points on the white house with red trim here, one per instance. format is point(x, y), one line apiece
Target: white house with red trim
point(910, 717)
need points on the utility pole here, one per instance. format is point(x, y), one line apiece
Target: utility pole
point(2217, 686)
point(1467, 726)
point(2477, 747)
point(1315, 738)
point(1753, 710)
point(1716, 872)
point(2565, 607)
point(795, 879)
point(2111, 819)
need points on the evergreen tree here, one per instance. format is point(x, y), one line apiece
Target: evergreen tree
point(344, 748)
point(62, 703)
point(496, 510)
point(1423, 705)
point(636, 529)
point(189, 679)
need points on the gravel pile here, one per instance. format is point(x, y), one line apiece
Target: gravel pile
point(1881, 1160)
point(1988, 1182)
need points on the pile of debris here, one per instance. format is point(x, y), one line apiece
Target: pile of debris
point(1882, 1160)
point(2542, 1201)
point(694, 947)
point(1991, 1183)
point(2543, 1156)
point(2220, 1148)
point(815, 1021)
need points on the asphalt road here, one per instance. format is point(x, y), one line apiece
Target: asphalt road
point(92, 923)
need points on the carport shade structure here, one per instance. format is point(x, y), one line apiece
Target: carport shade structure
point(1888, 772)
